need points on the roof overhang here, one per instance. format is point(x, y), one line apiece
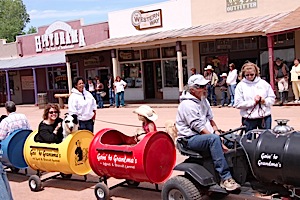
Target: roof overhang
point(253, 26)
point(50, 59)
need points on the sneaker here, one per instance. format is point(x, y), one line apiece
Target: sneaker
point(230, 184)
point(229, 105)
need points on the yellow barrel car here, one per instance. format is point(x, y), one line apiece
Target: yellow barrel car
point(68, 157)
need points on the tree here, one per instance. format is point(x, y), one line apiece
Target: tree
point(13, 19)
point(31, 30)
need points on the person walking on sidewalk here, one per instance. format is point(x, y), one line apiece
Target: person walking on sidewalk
point(231, 82)
point(194, 121)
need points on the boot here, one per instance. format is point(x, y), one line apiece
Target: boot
point(286, 96)
point(281, 98)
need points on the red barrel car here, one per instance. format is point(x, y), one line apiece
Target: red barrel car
point(111, 154)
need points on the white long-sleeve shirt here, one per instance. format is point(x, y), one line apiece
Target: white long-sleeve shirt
point(245, 93)
point(82, 104)
point(232, 76)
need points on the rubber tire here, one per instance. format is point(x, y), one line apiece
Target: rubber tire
point(132, 183)
point(101, 191)
point(181, 186)
point(35, 183)
point(65, 176)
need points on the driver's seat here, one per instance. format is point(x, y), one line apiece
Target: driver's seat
point(184, 150)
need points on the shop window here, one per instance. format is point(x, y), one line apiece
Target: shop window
point(203, 48)
point(263, 42)
point(57, 77)
point(168, 52)
point(129, 55)
point(171, 73)
point(150, 54)
point(131, 73)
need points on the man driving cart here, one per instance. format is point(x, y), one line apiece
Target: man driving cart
point(194, 121)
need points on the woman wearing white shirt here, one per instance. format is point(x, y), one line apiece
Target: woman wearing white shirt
point(83, 104)
point(120, 86)
point(231, 82)
point(295, 78)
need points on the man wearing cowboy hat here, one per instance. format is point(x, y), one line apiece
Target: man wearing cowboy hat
point(281, 71)
point(194, 121)
point(213, 80)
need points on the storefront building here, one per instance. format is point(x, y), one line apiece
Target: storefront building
point(154, 47)
point(41, 66)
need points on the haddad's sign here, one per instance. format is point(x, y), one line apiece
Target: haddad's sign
point(59, 35)
point(235, 5)
point(146, 20)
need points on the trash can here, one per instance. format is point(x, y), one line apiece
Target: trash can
point(42, 100)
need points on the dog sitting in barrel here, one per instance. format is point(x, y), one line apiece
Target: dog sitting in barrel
point(70, 124)
point(171, 129)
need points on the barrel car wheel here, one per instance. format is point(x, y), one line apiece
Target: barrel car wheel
point(66, 176)
point(35, 183)
point(180, 188)
point(102, 191)
point(132, 183)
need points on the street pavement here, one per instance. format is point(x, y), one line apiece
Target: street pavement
point(124, 120)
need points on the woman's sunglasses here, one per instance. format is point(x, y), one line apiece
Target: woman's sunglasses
point(199, 86)
point(52, 112)
point(249, 75)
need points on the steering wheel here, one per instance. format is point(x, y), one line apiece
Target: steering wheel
point(231, 135)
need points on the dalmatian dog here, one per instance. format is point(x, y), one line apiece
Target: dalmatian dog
point(70, 124)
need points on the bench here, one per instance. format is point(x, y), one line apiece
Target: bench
point(60, 98)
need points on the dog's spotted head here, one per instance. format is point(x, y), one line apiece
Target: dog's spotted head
point(70, 122)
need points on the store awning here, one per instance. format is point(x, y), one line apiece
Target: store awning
point(252, 26)
point(289, 23)
point(33, 61)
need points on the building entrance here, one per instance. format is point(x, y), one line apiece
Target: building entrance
point(153, 80)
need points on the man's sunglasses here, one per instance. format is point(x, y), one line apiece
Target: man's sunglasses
point(52, 112)
point(199, 86)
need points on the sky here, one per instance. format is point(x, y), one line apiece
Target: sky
point(45, 12)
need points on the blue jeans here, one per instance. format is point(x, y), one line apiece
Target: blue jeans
point(118, 96)
point(231, 92)
point(211, 95)
point(261, 123)
point(99, 100)
point(86, 125)
point(5, 192)
point(224, 99)
point(211, 142)
point(111, 97)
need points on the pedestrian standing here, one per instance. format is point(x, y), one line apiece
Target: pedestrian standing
point(231, 82)
point(119, 86)
point(111, 91)
point(295, 78)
